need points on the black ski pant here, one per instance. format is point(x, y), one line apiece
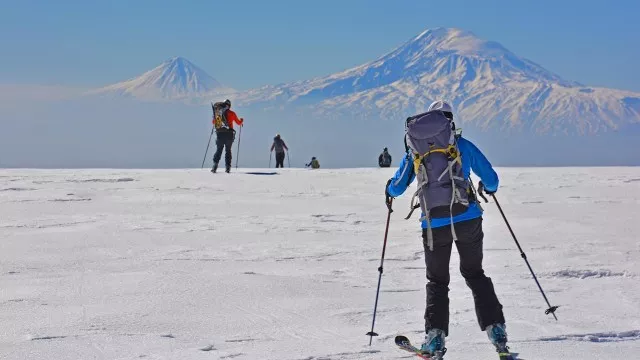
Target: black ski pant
point(469, 244)
point(280, 159)
point(224, 140)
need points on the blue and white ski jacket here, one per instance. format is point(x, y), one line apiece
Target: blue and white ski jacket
point(472, 159)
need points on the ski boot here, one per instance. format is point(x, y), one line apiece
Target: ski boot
point(433, 344)
point(498, 335)
point(228, 170)
point(214, 168)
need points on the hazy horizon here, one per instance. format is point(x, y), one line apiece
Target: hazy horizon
point(48, 121)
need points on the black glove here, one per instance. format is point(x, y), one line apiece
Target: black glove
point(388, 199)
point(482, 190)
point(481, 186)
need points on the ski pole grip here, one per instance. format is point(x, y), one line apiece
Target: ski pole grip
point(481, 192)
point(389, 201)
point(387, 197)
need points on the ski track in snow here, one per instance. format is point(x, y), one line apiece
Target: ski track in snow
point(183, 264)
point(47, 338)
point(18, 189)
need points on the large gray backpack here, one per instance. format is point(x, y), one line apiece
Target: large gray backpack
point(442, 189)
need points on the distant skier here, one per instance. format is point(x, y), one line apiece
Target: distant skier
point(450, 213)
point(314, 163)
point(280, 147)
point(223, 119)
point(384, 160)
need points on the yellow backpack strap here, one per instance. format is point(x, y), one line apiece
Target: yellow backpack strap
point(417, 160)
point(450, 151)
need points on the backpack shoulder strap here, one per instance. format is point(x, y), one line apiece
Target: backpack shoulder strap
point(412, 171)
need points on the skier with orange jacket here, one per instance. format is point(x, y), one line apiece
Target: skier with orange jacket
point(223, 120)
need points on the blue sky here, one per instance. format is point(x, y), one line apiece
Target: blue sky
point(246, 43)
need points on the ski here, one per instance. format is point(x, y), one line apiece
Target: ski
point(508, 356)
point(404, 344)
point(505, 354)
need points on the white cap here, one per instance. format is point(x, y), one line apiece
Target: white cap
point(440, 105)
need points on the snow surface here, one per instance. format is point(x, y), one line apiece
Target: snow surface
point(183, 264)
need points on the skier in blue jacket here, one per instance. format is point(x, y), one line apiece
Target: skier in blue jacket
point(468, 230)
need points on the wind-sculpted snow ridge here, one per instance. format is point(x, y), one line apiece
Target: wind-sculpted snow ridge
point(632, 335)
point(587, 274)
point(101, 180)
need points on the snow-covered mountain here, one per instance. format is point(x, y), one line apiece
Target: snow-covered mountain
point(488, 85)
point(176, 78)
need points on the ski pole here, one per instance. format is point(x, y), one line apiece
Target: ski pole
point(270, 156)
point(288, 159)
point(206, 151)
point(552, 309)
point(371, 334)
point(238, 150)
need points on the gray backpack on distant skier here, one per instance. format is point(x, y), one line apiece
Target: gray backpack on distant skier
point(220, 121)
point(386, 159)
point(442, 189)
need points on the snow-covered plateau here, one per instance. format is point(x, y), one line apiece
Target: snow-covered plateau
point(184, 264)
